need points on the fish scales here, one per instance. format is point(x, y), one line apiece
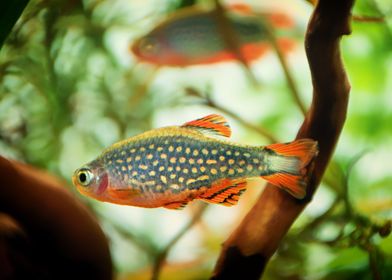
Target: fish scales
point(183, 40)
point(181, 161)
point(171, 166)
point(204, 29)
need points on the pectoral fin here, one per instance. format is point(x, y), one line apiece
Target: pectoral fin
point(123, 194)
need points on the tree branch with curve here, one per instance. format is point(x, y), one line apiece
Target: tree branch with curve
point(251, 245)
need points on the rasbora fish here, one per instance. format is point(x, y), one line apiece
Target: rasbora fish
point(171, 166)
point(194, 36)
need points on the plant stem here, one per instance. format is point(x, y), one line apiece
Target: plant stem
point(160, 258)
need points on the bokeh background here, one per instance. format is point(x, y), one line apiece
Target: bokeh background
point(69, 87)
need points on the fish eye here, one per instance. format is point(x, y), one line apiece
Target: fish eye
point(85, 176)
point(149, 45)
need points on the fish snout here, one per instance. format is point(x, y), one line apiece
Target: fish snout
point(147, 48)
point(90, 181)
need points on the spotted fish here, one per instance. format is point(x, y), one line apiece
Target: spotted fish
point(171, 166)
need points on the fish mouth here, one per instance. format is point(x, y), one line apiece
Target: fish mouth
point(134, 48)
point(74, 180)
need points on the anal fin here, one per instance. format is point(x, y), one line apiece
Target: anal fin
point(178, 205)
point(225, 192)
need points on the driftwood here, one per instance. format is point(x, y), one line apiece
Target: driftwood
point(45, 233)
point(248, 249)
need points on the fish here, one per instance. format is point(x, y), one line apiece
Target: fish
point(171, 166)
point(193, 36)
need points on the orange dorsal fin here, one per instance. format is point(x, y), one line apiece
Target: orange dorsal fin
point(178, 205)
point(214, 124)
point(226, 192)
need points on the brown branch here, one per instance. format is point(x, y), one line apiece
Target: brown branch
point(260, 130)
point(143, 245)
point(249, 247)
point(141, 89)
point(359, 18)
point(61, 238)
point(373, 261)
point(320, 219)
point(208, 101)
point(286, 71)
point(368, 19)
point(160, 258)
point(231, 40)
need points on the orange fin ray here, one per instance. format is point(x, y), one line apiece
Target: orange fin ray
point(289, 164)
point(214, 124)
point(277, 19)
point(293, 184)
point(178, 205)
point(240, 7)
point(303, 149)
point(226, 192)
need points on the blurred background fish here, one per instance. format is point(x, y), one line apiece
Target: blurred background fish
point(193, 36)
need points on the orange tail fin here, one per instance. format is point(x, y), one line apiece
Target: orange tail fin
point(288, 163)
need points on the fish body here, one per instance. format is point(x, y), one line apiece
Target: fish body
point(193, 36)
point(171, 166)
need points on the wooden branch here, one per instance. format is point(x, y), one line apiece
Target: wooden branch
point(250, 246)
point(62, 240)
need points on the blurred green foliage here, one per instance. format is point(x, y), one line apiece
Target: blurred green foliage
point(70, 87)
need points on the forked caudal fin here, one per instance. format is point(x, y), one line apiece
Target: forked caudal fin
point(288, 163)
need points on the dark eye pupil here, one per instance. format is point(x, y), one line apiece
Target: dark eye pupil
point(82, 177)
